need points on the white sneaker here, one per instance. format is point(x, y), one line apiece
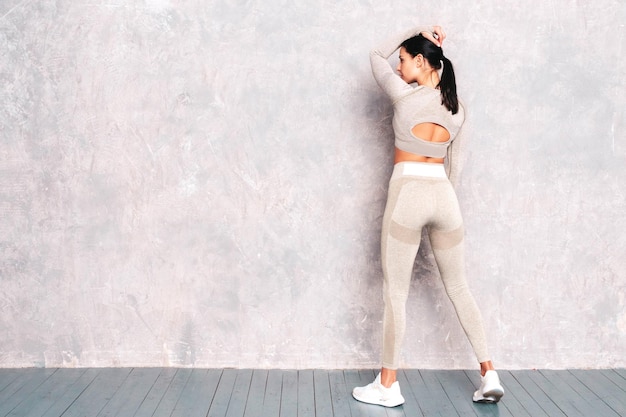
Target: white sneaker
point(490, 390)
point(377, 393)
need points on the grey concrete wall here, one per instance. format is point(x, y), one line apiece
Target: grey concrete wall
point(201, 183)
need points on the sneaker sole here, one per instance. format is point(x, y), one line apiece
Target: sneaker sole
point(490, 397)
point(486, 400)
point(383, 403)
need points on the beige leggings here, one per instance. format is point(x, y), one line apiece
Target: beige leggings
point(421, 195)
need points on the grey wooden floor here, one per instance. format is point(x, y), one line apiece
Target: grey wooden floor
point(186, 392)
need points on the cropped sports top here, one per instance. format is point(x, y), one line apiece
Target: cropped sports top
point(413, 105)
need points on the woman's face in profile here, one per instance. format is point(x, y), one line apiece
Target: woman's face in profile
point(406, 67)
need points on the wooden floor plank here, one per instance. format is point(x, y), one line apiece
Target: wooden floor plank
point(513, 389)
point(604, 388)
point(219, 406)
point(459, 390)
point(537, 393)
point(399, 411)
point(237, 404)
point(352, 380)
point(44, 396)
point(191, 399)
point(254, 403)
point(587, 405)
point(7, 376)
point(156, 393)
point(289, 398)
point(621, 372)
point(172, 393)
point(273, 393)
point(197, 395)
point(340, 394)
point(306, 394)
point(126, 401)
point(558, 391)
point(585, 401)
point(23, 386)
point(95, 397)
point(322, 397)
point(437, 394)
point(617, 379)
point(58, 405)
point(428, 405)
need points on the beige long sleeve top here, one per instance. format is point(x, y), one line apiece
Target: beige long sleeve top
point(413, 104)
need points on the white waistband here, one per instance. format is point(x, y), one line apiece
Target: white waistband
point(423, 169)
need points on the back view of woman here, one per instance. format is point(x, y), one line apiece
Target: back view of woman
point(427, 119)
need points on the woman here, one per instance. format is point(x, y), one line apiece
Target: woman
point(426, 120)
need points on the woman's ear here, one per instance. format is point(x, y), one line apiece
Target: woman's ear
point(419, 60)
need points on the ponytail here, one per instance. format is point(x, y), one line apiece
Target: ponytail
point(434, 55)
point(447, 85)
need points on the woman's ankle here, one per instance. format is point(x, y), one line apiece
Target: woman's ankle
point(486, 366)
point(387, 377)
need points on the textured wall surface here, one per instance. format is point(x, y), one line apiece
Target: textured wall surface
point(201, 183)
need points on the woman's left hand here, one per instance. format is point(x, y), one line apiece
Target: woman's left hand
point(436, 36)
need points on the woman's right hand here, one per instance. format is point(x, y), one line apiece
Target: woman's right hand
point(436, 36)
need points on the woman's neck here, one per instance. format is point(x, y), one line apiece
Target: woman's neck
point(429, 79)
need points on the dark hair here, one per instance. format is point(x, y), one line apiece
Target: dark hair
point(419, 45)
